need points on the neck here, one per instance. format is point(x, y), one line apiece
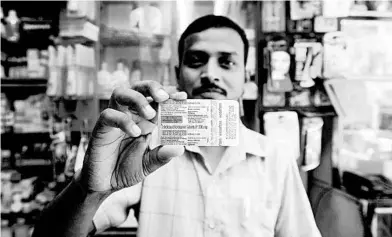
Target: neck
point(213, 155)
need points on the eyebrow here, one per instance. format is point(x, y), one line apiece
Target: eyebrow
point(225, 53)
point(228, 53)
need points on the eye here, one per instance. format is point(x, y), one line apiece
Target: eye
point(226, 62)
point(195, 60)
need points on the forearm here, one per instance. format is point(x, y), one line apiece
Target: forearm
point(70, 214)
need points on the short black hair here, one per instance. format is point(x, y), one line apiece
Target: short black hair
point(211, 21)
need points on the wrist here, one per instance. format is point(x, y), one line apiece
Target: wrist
point(78, 181)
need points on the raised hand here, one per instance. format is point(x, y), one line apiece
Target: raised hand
point(118, 154)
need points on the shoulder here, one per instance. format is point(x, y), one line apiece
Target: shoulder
point(269, 148)
point(277, 157)
point(274, 151)
point(253, 142)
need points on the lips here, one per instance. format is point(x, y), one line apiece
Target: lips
point(209, 90)
point(215, 90)
point(210, 95)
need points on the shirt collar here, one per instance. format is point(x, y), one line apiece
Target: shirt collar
point(253, 142)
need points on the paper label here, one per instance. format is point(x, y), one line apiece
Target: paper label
point(198, 122)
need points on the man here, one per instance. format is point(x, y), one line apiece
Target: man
point(253, 189)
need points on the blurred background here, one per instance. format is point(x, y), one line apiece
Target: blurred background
point(319, 76)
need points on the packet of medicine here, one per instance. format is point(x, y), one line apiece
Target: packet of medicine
point(196, 122)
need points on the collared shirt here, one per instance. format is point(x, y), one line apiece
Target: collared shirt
point(255, 190)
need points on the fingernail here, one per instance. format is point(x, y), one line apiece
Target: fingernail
point(149, 99)
point(136, 130)
point(179, 95)
point(149, 112)
point(162, 94)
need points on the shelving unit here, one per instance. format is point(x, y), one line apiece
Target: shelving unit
point(23, 82)
point(119, 41)
point(327, 113)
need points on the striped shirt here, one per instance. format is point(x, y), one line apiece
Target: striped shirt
point(256, 190)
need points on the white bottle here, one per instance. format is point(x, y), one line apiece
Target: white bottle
point(119, 77)
point(104, 80)
point(51, 87)
point(136, 74)
point(13, 21)
point(91, 72)
point(71, 86)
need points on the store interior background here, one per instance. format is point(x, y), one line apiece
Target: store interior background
point(61, 59)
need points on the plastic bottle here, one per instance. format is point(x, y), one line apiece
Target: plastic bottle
point(20, 228)
point(5, 229)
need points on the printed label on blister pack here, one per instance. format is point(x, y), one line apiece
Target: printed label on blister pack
point(198, 122)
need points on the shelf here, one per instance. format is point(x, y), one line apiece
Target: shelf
point(111, 37)
point(33, 162)
point(387, 78)
point(306, 111)
point(132, 41)
point(65, 41)
point(68, 16)
point(20, 89)
point(22, 133)
point(23, 82)
point(310, 34)
point(375, 14)
point(112, 2)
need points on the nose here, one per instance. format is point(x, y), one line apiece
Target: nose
point(211, 71)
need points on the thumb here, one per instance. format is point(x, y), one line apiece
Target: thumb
point(114, 210)
point(161, 155)
point(168, 152)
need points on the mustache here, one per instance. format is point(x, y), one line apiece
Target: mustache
point(208, 88)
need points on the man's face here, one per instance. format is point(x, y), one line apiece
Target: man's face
point(213, 65)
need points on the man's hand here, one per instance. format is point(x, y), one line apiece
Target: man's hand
point(118, 154)
point(114, 210)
